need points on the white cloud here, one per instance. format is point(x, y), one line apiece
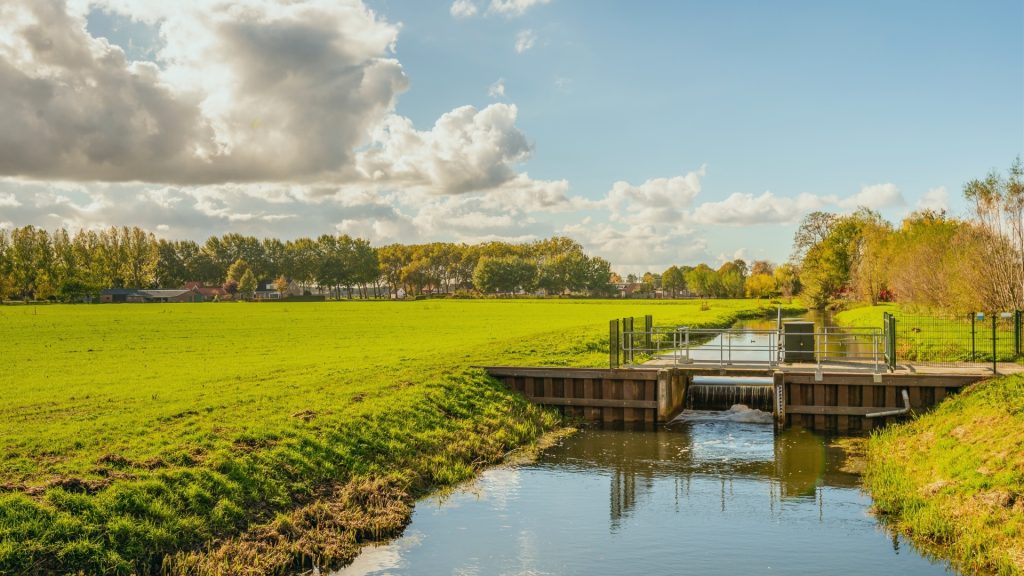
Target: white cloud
point(512, 8)
point(463, 9)
point(8, 199)
point(656, 201)
point(934, 199)
point(744, 209)
point(497, 90)
point(875, 197)
point(525, 40)
point(466, 150)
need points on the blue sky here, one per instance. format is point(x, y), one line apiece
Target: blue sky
point(722, 122)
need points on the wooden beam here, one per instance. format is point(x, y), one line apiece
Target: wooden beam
point(834, 410)
point(596, 402)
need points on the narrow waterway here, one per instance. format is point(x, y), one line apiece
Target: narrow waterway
point(708, 496)
point(712, 493)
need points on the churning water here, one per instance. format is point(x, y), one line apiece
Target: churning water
point(711, 494)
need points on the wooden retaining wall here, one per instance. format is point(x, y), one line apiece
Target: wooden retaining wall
point(838, 402)
point(600, 395)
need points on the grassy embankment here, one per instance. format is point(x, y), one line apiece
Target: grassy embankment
point(953, 479)
point(258, 438)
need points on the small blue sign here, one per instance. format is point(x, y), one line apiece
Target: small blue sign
point(979, 316)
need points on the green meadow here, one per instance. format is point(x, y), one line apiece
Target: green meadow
point(261, 438)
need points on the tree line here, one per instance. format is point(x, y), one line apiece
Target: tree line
point(930, 259)
point(38, 264)
point(733, 279)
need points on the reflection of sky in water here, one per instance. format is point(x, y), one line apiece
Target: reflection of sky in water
point(709, 498)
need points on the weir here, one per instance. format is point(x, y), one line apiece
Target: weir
point(834, 401)
point(721, 393)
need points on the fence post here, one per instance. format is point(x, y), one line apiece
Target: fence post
point(648, 328)
point(627, 340)
point(890, 341)
point(613, 344)
point(974, 349)
point(995, 359)
point(1016, 334)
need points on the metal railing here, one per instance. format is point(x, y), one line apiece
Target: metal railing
point(864, 348)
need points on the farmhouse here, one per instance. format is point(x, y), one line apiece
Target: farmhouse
point(132, 295)
point(207, 292)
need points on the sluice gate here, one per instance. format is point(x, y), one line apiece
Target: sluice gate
point(826, 401)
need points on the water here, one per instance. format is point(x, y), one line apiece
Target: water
point(749, 343)
point(706, 495)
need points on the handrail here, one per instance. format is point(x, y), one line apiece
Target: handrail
point(853, 343)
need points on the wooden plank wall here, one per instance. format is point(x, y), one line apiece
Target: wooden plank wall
point(839, 402)
point(601, 395)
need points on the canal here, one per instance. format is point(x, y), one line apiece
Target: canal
point(715, 494)
point(712, 493)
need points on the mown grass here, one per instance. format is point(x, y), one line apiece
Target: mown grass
point(924, 336)
point(259, 438)
point(953, 479)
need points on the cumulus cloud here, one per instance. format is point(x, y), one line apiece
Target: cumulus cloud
point(933, 199)
point(466, 150)
point(512, 8)
point(463, 9)
point(744, 209)
point(248, 92)
point(656, 201)
point(876, 197)
point(525, 40)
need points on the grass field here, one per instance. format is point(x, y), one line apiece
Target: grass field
point(954, 478)
point(232, 438)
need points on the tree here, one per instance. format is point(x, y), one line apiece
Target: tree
point(702, 280)
point(247, 285)
point(281, 284)
point(813, 229)
point(787, 280)
point(504, 274)
point(762, 267)
point(732, 277)
point(237, 270)
point(760, 286)
point(673, 280)
point(231, 287)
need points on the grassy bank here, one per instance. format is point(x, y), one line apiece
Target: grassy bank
point(254, 438)
point(953, 479)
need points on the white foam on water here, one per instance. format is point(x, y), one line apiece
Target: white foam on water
point(736, 413)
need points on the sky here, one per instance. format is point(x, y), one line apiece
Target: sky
point(654, 133)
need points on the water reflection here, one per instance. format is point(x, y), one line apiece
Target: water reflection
point(701, 497)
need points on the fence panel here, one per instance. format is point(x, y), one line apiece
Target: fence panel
point(957, 340)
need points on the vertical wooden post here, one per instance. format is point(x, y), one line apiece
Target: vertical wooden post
point(613, 344)
point(664, 394)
